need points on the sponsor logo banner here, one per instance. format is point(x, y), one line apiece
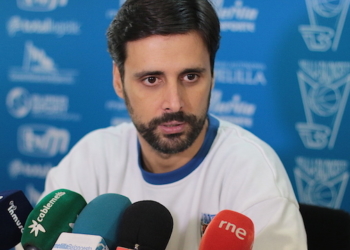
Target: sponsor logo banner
point(118, 107)
point(327, 20)
point(321, 181)
point(235, 110)
point(39, 140)
point(21, 103)
point(237, 17)
point(17, 25)
point(18, 168)
point(32, 193)
point(41, 5)
point(325, 90)
point(242, 73)
point(38, 67)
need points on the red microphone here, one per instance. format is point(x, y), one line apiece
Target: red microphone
point(228, 230)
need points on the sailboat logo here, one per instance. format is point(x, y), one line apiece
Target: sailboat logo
point(39, 67)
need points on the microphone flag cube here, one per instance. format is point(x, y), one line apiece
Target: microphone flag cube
point(80, 241)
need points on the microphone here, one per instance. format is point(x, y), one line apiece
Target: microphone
point(14, 210)
point(101, 217)
point(145, 225)
point(228, 230)
point(54, 214)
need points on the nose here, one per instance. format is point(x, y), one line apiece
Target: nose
point(173, 97)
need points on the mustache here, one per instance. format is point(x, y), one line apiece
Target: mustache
point(179, 116)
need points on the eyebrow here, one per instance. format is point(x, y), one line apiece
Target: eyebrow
point(193, 70)
point(158, 73)
point(147, 73)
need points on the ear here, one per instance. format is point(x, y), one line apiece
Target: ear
point(117, 81)
point(213, 82)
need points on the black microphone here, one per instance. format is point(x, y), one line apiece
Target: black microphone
point(145, 225)
point(14, 211)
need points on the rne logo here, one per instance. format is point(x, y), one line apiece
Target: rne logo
point(238, 231)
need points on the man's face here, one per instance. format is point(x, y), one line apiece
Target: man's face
point(167, 84)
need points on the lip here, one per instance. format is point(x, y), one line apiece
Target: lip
point(173, 127)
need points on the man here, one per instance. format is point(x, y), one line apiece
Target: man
point(173, 152)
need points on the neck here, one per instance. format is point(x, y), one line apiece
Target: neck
point(157, 162)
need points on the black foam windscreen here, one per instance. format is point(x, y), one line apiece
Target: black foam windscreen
point(146, 224)
point(14, 211)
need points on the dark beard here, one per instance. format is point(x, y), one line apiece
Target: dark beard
point(172, 143)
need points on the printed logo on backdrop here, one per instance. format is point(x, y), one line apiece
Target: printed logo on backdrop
point(40, 140)
point(321, 181)
point(110, 13)
point(32, 193)
point(327, 18)
point(236, 17)
point(235, 110)
point(243, 73)
point(41, 5)
point(17, 24)
point(325, 90)
point(38, 67)
point(117, 106)
point(18, 168)
point(20, 103)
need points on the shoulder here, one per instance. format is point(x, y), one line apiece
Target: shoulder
point(234, 137)
point(105, 145)
point(238, 152)
point(97, 162)
point(243, 147)
point(113, 134)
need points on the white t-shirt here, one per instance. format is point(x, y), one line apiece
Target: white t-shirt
point(233, 170)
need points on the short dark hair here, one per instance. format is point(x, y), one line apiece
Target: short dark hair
point(138, 19)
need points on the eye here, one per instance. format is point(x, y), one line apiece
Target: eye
point(191, 77)
point(151, 80)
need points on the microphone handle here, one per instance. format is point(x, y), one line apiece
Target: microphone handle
point(144, 248)
point(29, 247)
point(137, 247)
